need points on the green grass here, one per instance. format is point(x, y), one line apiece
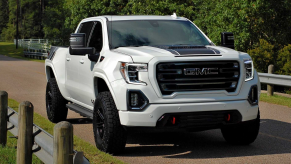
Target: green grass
point(8, 153)
point(90, 151)
point(8, 49)
point(276, 99)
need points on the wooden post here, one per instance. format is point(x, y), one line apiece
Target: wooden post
point(3, 117)
point(270, 88)
point(63, 143)
point(25, 139)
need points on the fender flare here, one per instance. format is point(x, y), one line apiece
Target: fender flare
point(104, 77)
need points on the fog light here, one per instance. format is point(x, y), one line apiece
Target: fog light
point(253, 95)
point(136, 100)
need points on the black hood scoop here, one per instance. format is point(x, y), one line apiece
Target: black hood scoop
point(183, 51)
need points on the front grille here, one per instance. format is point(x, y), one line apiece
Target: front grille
point(197, 76)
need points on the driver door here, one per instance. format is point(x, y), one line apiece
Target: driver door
point(73, 63)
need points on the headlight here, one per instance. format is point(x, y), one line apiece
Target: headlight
point(130, 72)
point(249, 66)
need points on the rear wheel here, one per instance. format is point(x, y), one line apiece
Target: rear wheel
point(55, 102)
point(109, 134)
point(242, 134)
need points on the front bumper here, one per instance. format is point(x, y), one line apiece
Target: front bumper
point(150, 116)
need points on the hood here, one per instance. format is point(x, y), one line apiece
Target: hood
point(144, 54)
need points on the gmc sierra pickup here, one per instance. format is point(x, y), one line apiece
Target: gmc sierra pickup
point(152, 72)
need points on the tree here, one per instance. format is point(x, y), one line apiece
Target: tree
point(4, 14)
point(53, 22)
point(262, 55)
point(284, 60)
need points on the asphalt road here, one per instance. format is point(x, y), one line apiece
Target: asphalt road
point(25, 80)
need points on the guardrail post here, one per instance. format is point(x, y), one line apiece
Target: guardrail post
point(270, 88)
point(3, 117)
point(25, 139)
point(63, 143)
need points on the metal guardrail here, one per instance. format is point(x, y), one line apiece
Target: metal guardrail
point(35, 48)
point(274, 79)
point(43, 141)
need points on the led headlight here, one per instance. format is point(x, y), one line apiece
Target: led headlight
point(249, 67)
point(130, 72)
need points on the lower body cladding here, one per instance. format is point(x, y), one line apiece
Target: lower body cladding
point(191, 116)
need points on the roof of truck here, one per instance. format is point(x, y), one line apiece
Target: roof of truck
point(137, 17)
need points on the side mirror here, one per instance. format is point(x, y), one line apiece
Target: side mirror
point(227, 39)
point(78, 45)
point(94, 57)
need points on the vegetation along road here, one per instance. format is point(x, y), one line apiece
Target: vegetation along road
point(25, 80)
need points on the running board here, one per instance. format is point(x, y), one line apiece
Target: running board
point(85, 112)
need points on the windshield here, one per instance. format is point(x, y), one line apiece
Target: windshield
point(154, 33)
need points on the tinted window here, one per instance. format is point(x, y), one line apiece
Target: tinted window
point(86, 28)
point(154, 32)
point(96, 37)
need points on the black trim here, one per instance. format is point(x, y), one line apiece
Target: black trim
point(200, 120)
point(250, 96)
point(81, 110)
point(180, 50)
point(140, 93)
point(145, 129)
point(52, 52)
point(101, 59)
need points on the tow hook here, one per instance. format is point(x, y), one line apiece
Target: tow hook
point(173, 120)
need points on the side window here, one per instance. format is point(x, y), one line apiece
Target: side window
point(96, 37)
point(86, 28)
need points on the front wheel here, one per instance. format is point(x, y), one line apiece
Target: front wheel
point(109, 134)
point(55, 102)
point(242, 134)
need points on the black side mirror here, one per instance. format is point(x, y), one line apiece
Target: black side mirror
point(78, 45)
point(227, 39)
point(94, 57)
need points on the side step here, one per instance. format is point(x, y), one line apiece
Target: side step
point(81, 110)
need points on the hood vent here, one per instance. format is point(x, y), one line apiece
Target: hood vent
point(183, 51)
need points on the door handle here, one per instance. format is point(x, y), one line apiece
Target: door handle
point(68, 59)
point(82, 61)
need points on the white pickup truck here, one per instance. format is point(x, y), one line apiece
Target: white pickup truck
point(152, 72)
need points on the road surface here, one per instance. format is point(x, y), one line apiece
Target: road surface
point(25, 80)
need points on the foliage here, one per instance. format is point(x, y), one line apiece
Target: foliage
point(249, 20)
point(53, 22)
point(4, 14)
point(262, 55)
point(284, 60)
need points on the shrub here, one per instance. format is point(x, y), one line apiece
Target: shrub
point(262, 55)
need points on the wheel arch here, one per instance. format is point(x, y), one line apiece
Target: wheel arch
point(102, 84)
point(49, 72)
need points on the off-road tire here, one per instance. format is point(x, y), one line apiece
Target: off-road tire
point(55, 102)
point(112, 136)
point(242, 134)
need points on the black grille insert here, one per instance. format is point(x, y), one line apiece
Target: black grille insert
point(197, 76)
point(203, 120)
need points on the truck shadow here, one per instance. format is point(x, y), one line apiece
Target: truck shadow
point(79, 120)
point(274, 138)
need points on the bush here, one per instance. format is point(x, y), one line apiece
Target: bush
point(284, 60)
point(262, 55)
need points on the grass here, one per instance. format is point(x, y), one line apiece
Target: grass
point(8, 153)
point(8, 49)
point(90, 151)
point(276, 99)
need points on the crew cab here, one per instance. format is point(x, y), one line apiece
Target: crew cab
point(152, 72)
